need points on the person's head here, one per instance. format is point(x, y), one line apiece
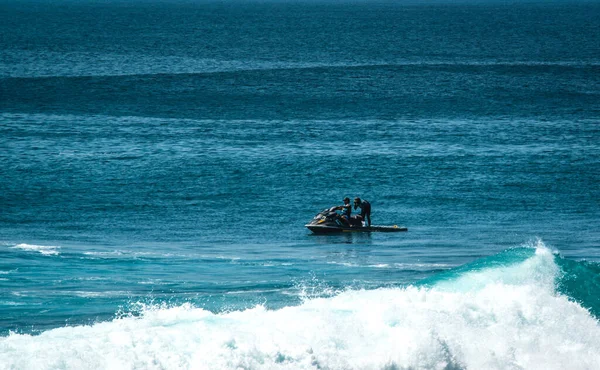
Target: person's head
point(356, 201)
point(346, 200)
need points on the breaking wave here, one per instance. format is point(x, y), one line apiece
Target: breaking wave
point(523, 308)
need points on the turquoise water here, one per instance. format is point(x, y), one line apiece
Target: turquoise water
point(158, 162)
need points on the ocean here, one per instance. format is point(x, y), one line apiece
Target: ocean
point(159, 160)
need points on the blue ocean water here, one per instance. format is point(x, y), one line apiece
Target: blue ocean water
point(159, 159)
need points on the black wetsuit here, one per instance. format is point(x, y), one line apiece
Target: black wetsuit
point(365, 211)
point(347, 210)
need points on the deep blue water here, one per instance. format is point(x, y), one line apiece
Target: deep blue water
point(158, 162)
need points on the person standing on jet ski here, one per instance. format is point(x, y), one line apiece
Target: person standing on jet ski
point(346, 210)
point(365, 210)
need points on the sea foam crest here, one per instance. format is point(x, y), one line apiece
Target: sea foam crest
point(510, 317)
point(47, 250)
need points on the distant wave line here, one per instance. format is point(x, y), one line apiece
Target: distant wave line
point(315, 66)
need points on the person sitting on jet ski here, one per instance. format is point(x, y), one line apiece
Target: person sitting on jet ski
point(346, 210)
point(365, 210)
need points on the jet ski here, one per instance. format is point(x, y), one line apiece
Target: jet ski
point(329, 221)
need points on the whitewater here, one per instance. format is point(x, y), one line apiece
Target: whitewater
point(501, 312)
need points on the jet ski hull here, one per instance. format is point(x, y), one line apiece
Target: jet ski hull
point(327, 229)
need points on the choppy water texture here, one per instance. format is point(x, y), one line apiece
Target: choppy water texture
point(158, 162)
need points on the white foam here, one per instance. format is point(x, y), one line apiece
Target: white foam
point(423, 266)
point(103, 254)
point(508, 317)
point(399, 266)
point(46, 250)
point(88, 294)
point(12, 303)
point(347, 264)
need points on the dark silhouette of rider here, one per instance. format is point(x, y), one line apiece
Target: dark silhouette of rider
point(365, 210)
point(346, 210)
